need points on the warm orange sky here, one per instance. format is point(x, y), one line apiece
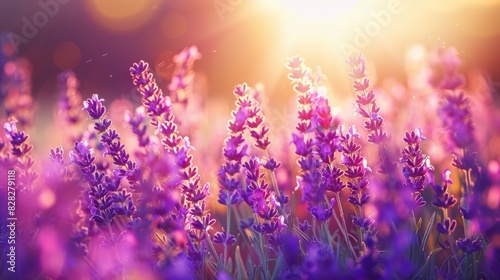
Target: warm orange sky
point(242, 40)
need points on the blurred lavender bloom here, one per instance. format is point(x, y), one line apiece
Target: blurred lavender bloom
point(247, 223)
point(442, 198)
point(456, 116)
point(224, 238)
point(447, 226)
point(20, 149)
point(304, 226)
point(319, 263)
point(138, 128)
point(16, 91)
point(70, 98)
point(416, 166)
point(366, 105)
point(181, 85)
point(222, 275)
point(445, 69)
point(356, 167)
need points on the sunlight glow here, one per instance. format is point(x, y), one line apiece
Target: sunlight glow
point(121, 15)
point(319, 9)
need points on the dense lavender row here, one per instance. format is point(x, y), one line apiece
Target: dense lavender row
point(358, 197)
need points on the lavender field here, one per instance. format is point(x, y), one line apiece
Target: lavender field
point(394, 176)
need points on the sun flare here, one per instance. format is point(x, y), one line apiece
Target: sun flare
point(319, 9)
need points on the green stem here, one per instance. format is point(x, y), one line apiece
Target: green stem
point(264, 254)
point(345, 232)
point(414, 225)
point(360, 232)
point(111, 235)
point(242, 232)
point(228, 230)
point(467, 190)
point(453, 251)
point(113, 238)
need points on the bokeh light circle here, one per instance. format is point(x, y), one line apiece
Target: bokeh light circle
point(163, 64)
point(173, 25)
point(66, 55)
point(121, 15)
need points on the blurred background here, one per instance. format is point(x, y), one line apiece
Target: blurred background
point(251, 41)
point(240, 40)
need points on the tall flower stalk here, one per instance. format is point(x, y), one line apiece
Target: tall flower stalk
point(357, 182)
point(185, 176)
point(316, 143)
point(182, 83)
point(21, 152)
point(235, 149)
point(366, 107)
point(143, 210)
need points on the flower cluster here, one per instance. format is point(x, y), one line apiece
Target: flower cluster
point(457, 120)
point(20, 150)
point(108, 199)
point(157, 106)
point(181, 85)
point(138, 127)
point(184, 174)
point(259, 130)
point(234, 150)
point(416, 166)
point(312, 182)
point(469, 245)
point(71, 99)
point(357, 180)
point(306, 98)
point(262, 199)
point(121, 209)
point(445, 200)
point(16, 92)
point(445, 70)
point(366, 105)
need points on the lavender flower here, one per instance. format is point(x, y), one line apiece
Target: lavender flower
point(257, 126)
point(258, 193)
point(16, 89)
point(455, 113)
point(181, 85)
point(157, 106)
point(107, 199)
point(305, 95)
point(20, 149)
point(356, 167)
point(224, 238)
point(148, 213)
point(138, 128)
point(469, 245)
point(234, 150)
point(70, 100)
point(445, 70)
point(416, 166)
point(313, 184)
point(447, 226)
point(185, 175)
point(319, 264)
point(365, 101)
point(442, 198)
